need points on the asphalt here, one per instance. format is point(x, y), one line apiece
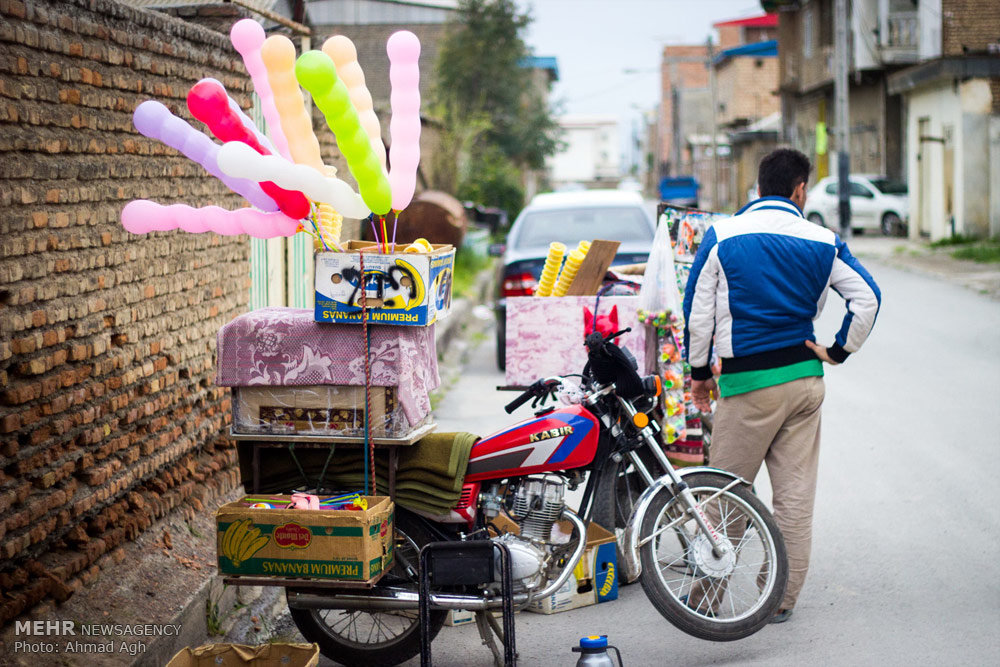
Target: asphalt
point(178, 586)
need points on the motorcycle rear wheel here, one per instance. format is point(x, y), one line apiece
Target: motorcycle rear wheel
point(375, 639)
point(734, 596)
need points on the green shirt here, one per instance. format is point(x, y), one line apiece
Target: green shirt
point(732, 384)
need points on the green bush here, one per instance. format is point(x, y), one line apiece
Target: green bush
point(493, 180)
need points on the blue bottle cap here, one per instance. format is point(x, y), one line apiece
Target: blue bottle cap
point(594, 641)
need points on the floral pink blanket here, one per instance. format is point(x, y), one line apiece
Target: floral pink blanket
point(284, 346)
point(545, 334)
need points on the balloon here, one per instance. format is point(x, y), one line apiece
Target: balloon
point(345, 56)
point(317, 74)
point(142, 216)
point(238, 159)
point(247, 37)
point(278, 54)
point(155, 121)
point(247, 121)
point(208, 102)
point(403, 48)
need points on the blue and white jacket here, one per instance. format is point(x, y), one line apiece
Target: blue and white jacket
point(759, 280)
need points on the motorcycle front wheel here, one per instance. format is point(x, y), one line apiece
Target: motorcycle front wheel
point(707, 595)
point(374, 638)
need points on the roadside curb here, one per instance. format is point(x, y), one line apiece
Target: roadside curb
point(936, 263)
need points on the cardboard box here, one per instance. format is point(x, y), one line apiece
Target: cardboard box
point(342, 545)
point(594, 579)
point(317, 409)
point(240, 655)
point(412, 289)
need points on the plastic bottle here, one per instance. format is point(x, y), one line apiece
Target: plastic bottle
point(594, 652)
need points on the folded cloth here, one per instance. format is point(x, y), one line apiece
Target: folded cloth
point(429, 475)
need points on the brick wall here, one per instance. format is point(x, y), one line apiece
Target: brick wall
point(684, 75)
point(109, 417)
point(746, 89)
point(969, 26)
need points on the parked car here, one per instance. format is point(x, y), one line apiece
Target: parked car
point(876, 203)
point(569, 217)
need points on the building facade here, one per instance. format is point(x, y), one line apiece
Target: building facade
point(952, 130)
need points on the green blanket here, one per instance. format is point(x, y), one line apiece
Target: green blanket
point(429, 475)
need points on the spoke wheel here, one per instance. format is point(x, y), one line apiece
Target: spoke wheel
point(375, 638)
point(720, 597)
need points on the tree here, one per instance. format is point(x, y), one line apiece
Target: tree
point(494, 120)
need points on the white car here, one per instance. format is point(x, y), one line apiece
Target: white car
point(876, 203)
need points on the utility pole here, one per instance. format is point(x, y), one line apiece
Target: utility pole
point(840, 92)
point(715, 129)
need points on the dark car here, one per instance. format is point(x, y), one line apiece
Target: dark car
point(569, 217)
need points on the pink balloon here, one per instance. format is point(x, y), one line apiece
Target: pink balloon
point(142, 216)
point(247, 37)
point(403, 49)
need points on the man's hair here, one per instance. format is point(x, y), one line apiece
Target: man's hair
point(781, 171)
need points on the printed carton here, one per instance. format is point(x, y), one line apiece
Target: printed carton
point(595, 578)
point(342, 545)
point(411, 289)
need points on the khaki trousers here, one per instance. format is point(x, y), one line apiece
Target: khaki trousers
point(779, 425)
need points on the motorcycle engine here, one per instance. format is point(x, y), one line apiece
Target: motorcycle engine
point(536, 506)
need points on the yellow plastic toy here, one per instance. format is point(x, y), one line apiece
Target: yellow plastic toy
point(420, 245)
point(330, 224)
point(551, 269)
point(568, 273)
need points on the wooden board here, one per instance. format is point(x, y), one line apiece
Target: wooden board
point(593, 269)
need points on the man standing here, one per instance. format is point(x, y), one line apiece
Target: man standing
point(759, 280)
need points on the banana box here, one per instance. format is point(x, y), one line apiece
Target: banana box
point(594, 580)
point(341, 545)
point(410, 289)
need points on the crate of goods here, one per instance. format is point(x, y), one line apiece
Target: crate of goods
point(401, 288)
point(594, 579)
point(291, 375)
point(351, 545)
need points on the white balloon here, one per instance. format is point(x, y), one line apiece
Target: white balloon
point(241, 161)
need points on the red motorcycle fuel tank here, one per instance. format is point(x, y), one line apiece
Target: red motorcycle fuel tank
point(559, 440)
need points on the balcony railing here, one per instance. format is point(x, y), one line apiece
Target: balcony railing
point(901, 39)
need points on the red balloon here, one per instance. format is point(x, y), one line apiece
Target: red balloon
point(208, 102)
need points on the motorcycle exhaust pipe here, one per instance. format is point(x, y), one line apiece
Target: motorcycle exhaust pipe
point(388, 599)
point(392, 600)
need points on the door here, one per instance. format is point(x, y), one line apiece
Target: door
point(864, 209)
point(925, 167)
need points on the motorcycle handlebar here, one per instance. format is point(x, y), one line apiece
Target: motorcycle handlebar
point(519, 401)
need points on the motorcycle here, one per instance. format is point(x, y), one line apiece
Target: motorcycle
point(706, 550)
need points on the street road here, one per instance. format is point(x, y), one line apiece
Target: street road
point(906, 556)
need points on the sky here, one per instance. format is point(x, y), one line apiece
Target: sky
point(596, 41)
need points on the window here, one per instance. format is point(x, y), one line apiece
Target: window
point(570, 226)
point(859, 190)
point(887, 187)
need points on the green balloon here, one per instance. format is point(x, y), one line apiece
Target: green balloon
point(316, 73)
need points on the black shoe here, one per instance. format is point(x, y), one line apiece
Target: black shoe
point(782, 616)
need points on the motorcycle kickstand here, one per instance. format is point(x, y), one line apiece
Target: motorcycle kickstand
point(488, 625)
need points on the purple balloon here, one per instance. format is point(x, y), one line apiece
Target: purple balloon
point(155, 121)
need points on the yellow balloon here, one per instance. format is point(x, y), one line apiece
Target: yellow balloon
point(345, 56)
point(278, 54)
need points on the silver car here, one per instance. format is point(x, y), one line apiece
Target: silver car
point(569, 217)
point(876, 203)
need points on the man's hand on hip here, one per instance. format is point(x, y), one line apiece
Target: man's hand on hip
point(820, 352)
point(702, 392)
